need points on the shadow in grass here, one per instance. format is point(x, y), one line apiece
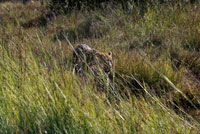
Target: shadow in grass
point(192, 45)
point(40, 21)
point(91, 28)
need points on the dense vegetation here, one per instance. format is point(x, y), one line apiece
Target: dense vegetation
point(156, 51)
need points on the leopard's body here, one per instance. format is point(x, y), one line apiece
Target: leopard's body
point(86, 59)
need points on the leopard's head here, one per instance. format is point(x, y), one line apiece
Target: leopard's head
point(105, 61)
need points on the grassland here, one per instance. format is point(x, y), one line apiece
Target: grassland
point(156, 71)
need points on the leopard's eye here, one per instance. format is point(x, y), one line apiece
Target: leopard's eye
point(110, 53)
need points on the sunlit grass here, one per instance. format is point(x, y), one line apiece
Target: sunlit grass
point(157, 74)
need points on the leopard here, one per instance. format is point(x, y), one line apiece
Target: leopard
point(88, 60)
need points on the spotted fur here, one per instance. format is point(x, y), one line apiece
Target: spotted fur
point(86, 59)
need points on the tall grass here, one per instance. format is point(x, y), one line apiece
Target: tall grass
point(156, 71)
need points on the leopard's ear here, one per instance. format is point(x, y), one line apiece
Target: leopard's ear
point(110, 54)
